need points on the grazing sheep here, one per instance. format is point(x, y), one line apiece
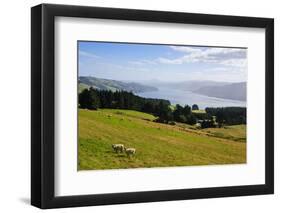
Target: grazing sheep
point(130, 151)
point(118, 147)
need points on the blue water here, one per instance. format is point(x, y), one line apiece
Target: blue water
point(187, 97)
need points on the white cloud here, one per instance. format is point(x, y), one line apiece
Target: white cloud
point(185, 49)
point(235, 62)
point(224, 56)
point(142, 62)
point(234, 57)
point(169, 61)
point(87, 54)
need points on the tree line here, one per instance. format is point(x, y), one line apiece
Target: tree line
point(228, 115)
point(93, 99)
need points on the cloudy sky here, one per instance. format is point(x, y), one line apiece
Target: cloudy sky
point(141, 62)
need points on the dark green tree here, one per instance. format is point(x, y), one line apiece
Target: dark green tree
point(186, 110)
point(178, 112)
point(88, 99)
point(195, 107)
point(191, 119)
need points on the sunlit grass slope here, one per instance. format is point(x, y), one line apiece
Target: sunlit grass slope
point(157, 145)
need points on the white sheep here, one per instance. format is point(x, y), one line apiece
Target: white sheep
point(130, 151)
point(118, 147)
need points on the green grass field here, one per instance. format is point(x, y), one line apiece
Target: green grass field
point(157, 145)
point(236, 132)
point(200, 111)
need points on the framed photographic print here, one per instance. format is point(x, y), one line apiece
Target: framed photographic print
point(139, 106)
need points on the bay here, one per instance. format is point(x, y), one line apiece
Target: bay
point(187, 97)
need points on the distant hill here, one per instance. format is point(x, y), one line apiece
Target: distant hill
point(234, 91)
point(113, 85)
point(185, 85)
point(225, 90)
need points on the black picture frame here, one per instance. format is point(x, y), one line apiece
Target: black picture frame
point(43, 117)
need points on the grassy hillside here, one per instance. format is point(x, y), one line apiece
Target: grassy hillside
point(82, 86)
point(199, 111)
point(113, 85)
point(157, 144)
point(236, 132)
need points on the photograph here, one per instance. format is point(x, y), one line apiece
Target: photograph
point(160, 105)
point(140, 105)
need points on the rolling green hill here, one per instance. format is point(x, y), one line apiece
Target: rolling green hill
point(235, 132)
point(113, 85)
point(157, 145)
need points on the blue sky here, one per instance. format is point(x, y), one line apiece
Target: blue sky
point(142, 62)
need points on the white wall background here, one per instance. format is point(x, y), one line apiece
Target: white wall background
point(15, 105)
